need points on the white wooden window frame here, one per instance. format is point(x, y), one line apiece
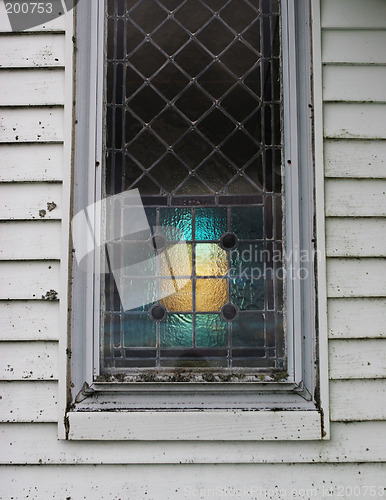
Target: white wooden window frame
point(291, 409)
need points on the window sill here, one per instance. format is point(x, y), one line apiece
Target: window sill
point(218, 425)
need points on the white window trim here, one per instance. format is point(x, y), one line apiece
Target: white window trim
point(282, 409)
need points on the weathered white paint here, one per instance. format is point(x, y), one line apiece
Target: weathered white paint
point(354, 120)
point(353, 359)
point(356, 159)
point(356, 311)
point(31, 125)
point(28, 360)
point(195, 425)
point(15, 243)
point(176, 482)
point(31, 162)
point(28, 280)
point(355, 198)
point(350, 442)
point(32, 51)
point(352, 14)
point(29, 320)
point(357, 318)
point(354, 83)
point(32, 87)
point(356, 400)
point(356, 277)
point(26, 201)
point(354, 46)
point(356, 237)
point(32, 401)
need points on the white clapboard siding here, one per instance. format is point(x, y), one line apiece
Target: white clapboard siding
point(35, 401)
point(17, 237)
point(32, 87)
point(31, 162)
point(29, 320)
point(353, 14)
point(356, 237)
point(356, 400)
point(31, 125)
point(31, 401)
point(355, 198)
point(32, 51)
point(57, 24)
point(354, 46)
point(26, 443)
point(355, 120)
point(356, 318)
point(28, 361)
point(180, 482)
point(352, 158)
point(357, 359)
point(25, 201)
point(28, 280)
point(356, 277)
point(354, 83)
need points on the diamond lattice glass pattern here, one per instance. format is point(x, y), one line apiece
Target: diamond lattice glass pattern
point(193, 121)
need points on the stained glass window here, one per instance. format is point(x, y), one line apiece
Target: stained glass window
point(193, 122)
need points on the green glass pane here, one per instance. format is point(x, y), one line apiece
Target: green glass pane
point(176, 222)
point(177, 331)
point(211, 331)
point(248, 330)
point(211, 223)
point(247, 260)
point(248, 294)
point(247, 222)
point(139, 330)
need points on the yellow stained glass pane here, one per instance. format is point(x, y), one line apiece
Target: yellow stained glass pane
point(176, 260)
point(177, 294)
point(211, 260)
point(211, 294)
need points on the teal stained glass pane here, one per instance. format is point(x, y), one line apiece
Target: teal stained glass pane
point(248, 330)
point(139, 330)
point(211, 223)
point(176, 223)
point(247, 222)
point(247, 294)
point(177, 331)
point(211, 331)
point(247, 259)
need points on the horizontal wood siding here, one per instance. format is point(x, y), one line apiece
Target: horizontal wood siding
point(355, 158)
point(354, 46)
point(32, 51)
point(32, 88)
point(32, 167)
point(32, 442)
point(173, 482)
point(29, 320)
point(31, 162)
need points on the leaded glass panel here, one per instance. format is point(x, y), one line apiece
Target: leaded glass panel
point(193, 121)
